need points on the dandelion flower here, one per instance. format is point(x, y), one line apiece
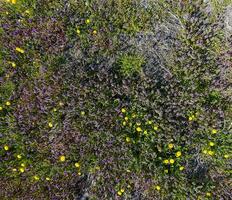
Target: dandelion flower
point(166, 171)
point(47, 178)
point(155, 128)
point(133, 115)
point(13, 1)
point(78, 31)
point(14, 170)
point(138, 129)
point(8, 103)
point(214, 131)
point(23, 165)
point(1, 108)
point(122, 190)
point(157, 187)
point(82, 113)
point(208, 194)
point(211, 144)
point(178, 154)
point(19, 50)
point(166, 161)
point(149, 122)
point(19, 156)
point(205, 151)
point(211, 153)
point(62, 158)
point(50, 124)
point(145, 132)
point(79, 173)
point(77, 165)
point(124, 123)
point(87, 21)
point(226, 156)
point(119, 193)
point(6, 147)
point(128, 139)
point(190, 118)
point(123, 110)
point(36, 177)
point(170, 146)
point(126, 118)
point(21, 169)
point(171, 161)
point(94, 32)
point(181, 168)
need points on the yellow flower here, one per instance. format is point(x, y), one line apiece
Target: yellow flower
point(54, 109)
point(12, 64)
point(14, 170)
point(166, 171)
point(79, 173)
point(214, 131)
point(119, 193)
point(166, 162)
point(13, 1)
point(155, 128)
point(19, 156)
point(124, 123)
point(123, 110)
point(126, 118)
point(8, 103)
point(6, 147)
point(226, 156)
point(94, 32)
point(1, 108)
point(47, 178)
point(61, 103)
point(21, 169)
point(211, 144)
point(19, 50)
point(138, 129)
point(157, 187)
point(181, 168)
point(211, 153)
point(62, 158)
point(97, 168)
point(133, 115)
point(145, 132)
point(171, 161)
point(128, 139)
point(78, 31)
point(205, 151)
point(82, 113)
point(27, 11)
point(170, 146)
point(178, 154)
point(190, 118)
point(23, 165)
point(149, 122)
point(122, 190)
point(208, 194)
point(36, 177)
point(50, 124)
point(77, 165)
point(87, 21)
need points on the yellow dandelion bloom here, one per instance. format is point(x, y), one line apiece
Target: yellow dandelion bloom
point(211, 144)
point(155, 128)
point(205, 151)
point(47, 178)
point(190, 118)
point(54, 109)
point(13, 1)
point(23, 165)
point(145, 132)
point(36, 177)
point(50, 124)
point(157, 187)
point(126, 118)
point(94, 32)
point(14, 170)
point(6, 148)
point(123, 110)
point(171, 161)
point(208, 194)
point(78, 31)
point(21, 169)
point(1, 108)
point(8, 103)
point(214, 131)
point(82, 113)
point(77, 165)
point(178, 154)
point(128, 139)
point(87, 21)
point(27, 11)
point(166, 161)
point(181, 168)
point(12, 64)
point(62, 158)
point(138, 129)
point(133, 115)
point(211, 153)
point(124, 123)
point(170, 146)
point(226, 156)
point(19, 50)
point(61, 103)
point(149, 122)
point(79, 173)
point(122, 190)
point(119, 193)
point(19, 156)
point(166, 171)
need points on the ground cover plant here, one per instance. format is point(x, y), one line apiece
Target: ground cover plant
point(115, 99)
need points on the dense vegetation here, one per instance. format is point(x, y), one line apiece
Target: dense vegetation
point(115, 99)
